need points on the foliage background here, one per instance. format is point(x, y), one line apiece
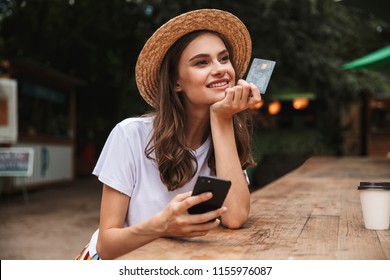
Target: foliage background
point(99, 41)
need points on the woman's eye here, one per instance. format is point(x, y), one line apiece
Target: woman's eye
point(201, 62)
point(224, 58)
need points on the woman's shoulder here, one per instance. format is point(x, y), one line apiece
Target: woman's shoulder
point(136, 123)
point(135, 128)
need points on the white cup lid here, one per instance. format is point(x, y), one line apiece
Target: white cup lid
point(374, 186)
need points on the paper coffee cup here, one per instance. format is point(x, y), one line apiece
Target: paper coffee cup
point(375, 201)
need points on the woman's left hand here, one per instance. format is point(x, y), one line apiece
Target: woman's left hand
point(237, 99)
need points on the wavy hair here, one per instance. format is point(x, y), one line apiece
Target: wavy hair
point(176, 162)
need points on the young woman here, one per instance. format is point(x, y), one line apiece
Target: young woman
point(189, 72)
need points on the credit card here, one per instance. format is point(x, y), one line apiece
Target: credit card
point(260, 73)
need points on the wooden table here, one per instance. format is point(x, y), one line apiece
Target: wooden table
point(313, 212)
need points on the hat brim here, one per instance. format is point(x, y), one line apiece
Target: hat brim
point(149, 61)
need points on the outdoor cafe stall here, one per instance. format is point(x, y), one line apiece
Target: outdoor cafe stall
point(375, 116)
point(38, 112)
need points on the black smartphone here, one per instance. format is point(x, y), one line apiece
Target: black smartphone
point(219, 187)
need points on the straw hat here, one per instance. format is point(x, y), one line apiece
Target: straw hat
point(149, 61)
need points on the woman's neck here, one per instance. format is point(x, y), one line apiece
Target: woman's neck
point(197, 130)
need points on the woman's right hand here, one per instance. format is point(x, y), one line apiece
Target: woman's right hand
point(175, 221)
point(237, 99)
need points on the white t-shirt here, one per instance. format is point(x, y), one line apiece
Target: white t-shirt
point(123, 165)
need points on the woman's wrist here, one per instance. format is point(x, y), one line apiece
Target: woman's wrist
point(152, 227)
point(220, 120)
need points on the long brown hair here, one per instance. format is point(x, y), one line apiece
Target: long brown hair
point(176, 162)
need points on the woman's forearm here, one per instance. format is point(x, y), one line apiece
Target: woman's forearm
point(228, 166)
point(115, 242)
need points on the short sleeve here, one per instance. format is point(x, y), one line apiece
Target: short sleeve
point(115, 166)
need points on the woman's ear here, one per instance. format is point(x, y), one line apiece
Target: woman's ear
point(178, 88)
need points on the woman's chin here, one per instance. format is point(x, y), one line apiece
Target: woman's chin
point(219, 96)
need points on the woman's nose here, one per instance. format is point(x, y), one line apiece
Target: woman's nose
point(219, 69)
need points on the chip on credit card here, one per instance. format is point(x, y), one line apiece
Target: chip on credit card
point(260, 73)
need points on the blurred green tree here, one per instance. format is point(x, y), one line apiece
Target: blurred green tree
point(99, 41)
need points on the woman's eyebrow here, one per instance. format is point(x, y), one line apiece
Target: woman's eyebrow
point(203, 55)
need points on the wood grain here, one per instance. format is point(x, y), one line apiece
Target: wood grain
point(313, 212)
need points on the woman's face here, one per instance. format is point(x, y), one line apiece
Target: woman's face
point(205, 71)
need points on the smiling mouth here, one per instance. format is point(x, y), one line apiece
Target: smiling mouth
point(220, 84)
